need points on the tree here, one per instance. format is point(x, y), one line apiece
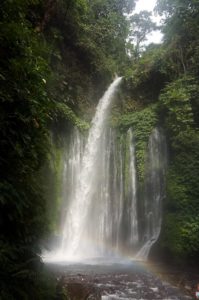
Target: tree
point(141, 25)
point(25, 109)
point(181, 29)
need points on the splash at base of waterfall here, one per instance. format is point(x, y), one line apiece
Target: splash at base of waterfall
point(59, 258)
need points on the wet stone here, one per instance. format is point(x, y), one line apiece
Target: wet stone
point(81, 291)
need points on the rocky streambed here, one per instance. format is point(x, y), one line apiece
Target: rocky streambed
point(109, 281)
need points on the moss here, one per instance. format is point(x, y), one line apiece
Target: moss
point(142, 123)
point(52, 177)
point(66, 112)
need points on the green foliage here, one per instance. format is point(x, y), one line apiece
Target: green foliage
point(181, 235)
point(177, 99)
point(52, 181)
point(178, 102)
point(53, 55)
point(46, 86)
point(181, 31)
point(146, 77)
point(168, 75)
point(89, 47)
point(19, 266)
point(62, 110)
point(24, 109)
point(182, 196)
point(126, 142)
point(141, 26)
point(142, 123)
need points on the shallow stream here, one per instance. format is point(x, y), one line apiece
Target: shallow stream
point(106, 280)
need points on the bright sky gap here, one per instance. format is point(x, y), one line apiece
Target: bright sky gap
point(155, 36)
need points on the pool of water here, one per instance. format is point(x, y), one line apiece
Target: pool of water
point(105, 279)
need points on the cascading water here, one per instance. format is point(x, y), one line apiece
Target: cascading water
point(106, 209)
point(154, 190)
point(76, 232)
point(101, 211)
point(71, 171)
point(132, 186)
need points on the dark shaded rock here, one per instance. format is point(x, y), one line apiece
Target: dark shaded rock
point(82, 291)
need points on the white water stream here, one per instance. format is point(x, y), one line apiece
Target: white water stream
point(75, 236)
point(154, 190)
point(132, 186)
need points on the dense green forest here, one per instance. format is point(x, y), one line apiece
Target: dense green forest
point(56, 59)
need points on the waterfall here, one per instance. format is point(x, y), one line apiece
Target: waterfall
point(76, 232)
point(132, 191)
point(108, 219)
point(154, 190)
point(72, 168)
point(101, 212)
